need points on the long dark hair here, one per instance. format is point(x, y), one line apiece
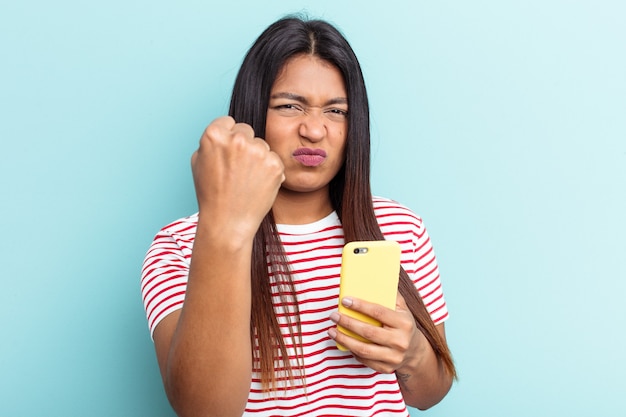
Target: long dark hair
point(349, 191)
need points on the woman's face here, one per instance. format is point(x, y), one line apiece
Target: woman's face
point(307, 123)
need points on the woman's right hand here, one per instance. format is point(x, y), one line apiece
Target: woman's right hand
point(236, 177)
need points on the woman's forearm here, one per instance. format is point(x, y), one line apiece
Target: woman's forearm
point(208, 363)
point(424, 381)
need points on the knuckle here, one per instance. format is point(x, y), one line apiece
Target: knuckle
point(345, 322)
point(276, 163)
point(212, 131)
point(400, 344)
point(363, 351)
point(226, 121)
point(378, 312)
point(369, 332)
point(240, 137)
point(244, 128)
point(260, 146)
point(385, 369)
point(409, 326)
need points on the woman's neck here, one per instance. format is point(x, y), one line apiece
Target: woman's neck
point(291, 207)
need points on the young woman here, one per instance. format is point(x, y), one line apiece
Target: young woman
point(282, 184)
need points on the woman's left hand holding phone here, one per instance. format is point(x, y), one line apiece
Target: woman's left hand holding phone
point(398, 346)
point(392, 345)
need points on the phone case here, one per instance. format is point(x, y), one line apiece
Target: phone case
point(369, 271)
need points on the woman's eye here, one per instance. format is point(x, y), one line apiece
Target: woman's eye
point(337, 114)
point(289, 108)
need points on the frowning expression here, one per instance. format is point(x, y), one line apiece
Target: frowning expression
point(307, 122)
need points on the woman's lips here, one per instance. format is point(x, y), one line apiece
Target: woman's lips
point(309, 157)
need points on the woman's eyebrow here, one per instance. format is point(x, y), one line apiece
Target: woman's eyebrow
point(303, 100)
point(291, 96)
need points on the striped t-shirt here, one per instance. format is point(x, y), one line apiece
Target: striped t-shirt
point(336, 384)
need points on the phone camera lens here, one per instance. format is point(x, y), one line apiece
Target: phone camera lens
point(356, 250)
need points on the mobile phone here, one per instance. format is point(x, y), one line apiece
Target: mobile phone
point(370, 271)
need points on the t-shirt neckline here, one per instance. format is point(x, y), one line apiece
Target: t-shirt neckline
point(302, 229)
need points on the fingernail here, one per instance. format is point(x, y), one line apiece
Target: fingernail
point(335, 317)
point(346, 302)
point(332, 332)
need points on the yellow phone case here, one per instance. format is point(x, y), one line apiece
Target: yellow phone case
point(369, 271)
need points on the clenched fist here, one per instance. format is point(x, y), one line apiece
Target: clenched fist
point(236, 176)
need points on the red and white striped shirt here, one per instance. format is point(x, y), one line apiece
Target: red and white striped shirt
point(336, 384)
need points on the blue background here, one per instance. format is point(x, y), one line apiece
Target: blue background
point(502, 123)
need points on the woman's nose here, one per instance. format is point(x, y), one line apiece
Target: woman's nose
point(313, 127)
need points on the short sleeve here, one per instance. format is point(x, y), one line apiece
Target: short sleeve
point(418, 256)
point(425, 275)
point(165, 271)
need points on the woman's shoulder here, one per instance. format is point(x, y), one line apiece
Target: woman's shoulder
point(385, 207)
point(397, 219)
point(182, 226)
